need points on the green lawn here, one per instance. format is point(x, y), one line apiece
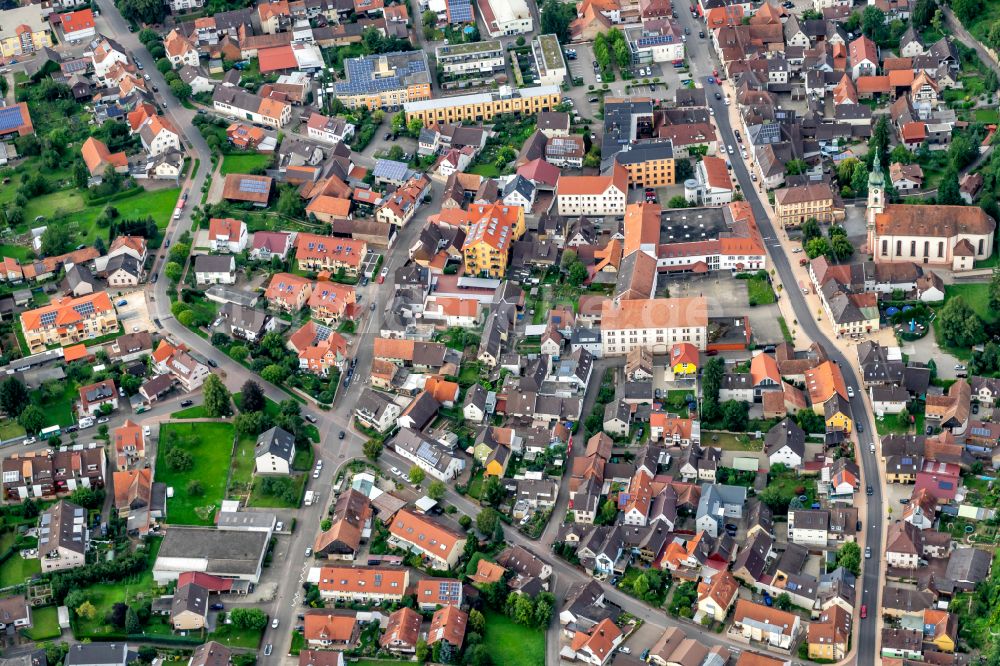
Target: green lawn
point(987, 116)
point(785, 333)
point(891, 424)
point(18, 252)
point(58, 410)
point(193, 412)
point(485, 170)
point(260, 500)
point(16, 569)
point(730, 442)
point(759, 291)
point(158, 204)
point(975, 296)
point(9, 429)
point(210, 445)
point(242, 466)
point(512, 644)
point(44, 624)
point(244, 163)
point(233, 637)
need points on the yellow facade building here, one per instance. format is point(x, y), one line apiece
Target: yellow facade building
point(795, 205)
point(490, 232)
point(484, 106)
point(25, 31)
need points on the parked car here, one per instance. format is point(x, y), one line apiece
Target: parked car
point(212, 363)
point(864, 611)
point(341, 435)
point(868, 552)
point(274, 623)
point(309, 417)
point(869, 491)
point(217, 607)
point(268, 649)
point(187, 403)
point(279, 526)
point(394, 470)
point(309, 552)
point(850, 391)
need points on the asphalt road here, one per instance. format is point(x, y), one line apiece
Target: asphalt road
point(702, 59)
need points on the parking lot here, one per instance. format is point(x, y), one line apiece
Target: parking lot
point(133, 312)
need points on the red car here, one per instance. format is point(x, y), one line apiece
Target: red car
point(864, 611)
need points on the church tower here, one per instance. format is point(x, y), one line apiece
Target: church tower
point(876, 200)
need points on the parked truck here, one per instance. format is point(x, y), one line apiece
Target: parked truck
point(310, 497)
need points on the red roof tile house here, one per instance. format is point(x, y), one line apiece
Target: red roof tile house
point(426, 536)
point(361, 584)
point(78, 25)
point(329, 630)
point(95, 396)
point(448, 624)
point(227, 235)
point(98, 158)
point(402, 631)
point(288, 292)
point(435, 592)
point(130, 446)
point(331, 301)
point(596, 645)
point(267, 244)
point(327, 253)
point(319, 347)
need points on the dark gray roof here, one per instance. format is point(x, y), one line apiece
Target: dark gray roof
point(277, 442)
point(125, 262)
point(785, 433)
point(214, 263)
point(191, 597)
point(227, 552)
point(99, 654)
point(968, 565)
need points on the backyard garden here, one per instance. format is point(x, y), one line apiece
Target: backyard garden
point(194, 459)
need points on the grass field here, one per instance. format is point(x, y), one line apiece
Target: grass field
point(44, 624)
point(210, 445)
point(244, 163)
point(16, 569)
point(58, 411)
point(233, 637)
point(730, 442)
point(158, 204)
point(759, 291)
point(511, 644)
point(18, 252)
point(260, 500)
point(9, 429)
point(192, 412)
point(242, 466)
point(975, 296)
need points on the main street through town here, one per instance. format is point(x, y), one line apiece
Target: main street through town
point(290, 564)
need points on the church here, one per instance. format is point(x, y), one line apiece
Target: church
point(953, 237)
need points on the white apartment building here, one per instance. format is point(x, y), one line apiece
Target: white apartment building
point(655, 324)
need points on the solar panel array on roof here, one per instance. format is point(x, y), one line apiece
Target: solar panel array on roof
point(10, 118)
point(48, 318)
point(362, 79)
point(450, 591)
point(654, 40)
point(323, 332)
point(427, 452)
point(390, 170)
point(459, 11)
point(253, 185)
point(84, 309)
